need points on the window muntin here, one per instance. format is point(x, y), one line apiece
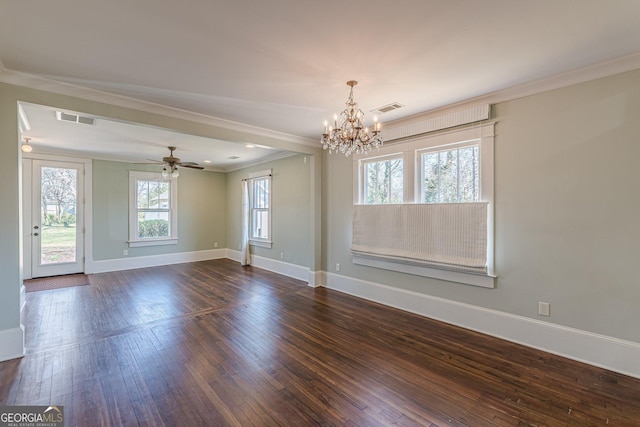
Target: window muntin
point(153, 209)
point(260, 208)
point(450, 175)
point(383, 181)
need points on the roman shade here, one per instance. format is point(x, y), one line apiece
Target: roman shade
point(450, 236)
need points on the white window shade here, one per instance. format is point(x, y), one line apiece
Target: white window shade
point(450, 236)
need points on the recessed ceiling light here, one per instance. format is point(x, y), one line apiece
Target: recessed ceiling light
point(250, 146)
point(207, 161)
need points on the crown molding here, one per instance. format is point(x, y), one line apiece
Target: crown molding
point(569, 78)
point(557, 81)
point(105, 157)
point(271, 158)
point(62, 88)
point(580, 75)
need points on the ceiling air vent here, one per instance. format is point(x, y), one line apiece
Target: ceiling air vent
point(387, 108)
point(74, 118)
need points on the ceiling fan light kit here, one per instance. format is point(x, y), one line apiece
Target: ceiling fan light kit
point(170, 165)
point(168, 171)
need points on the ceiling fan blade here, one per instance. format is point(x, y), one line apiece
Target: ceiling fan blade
point(150, 162)
point(188, 164)
point(191, 166)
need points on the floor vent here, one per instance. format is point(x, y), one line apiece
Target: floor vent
point(74, 118)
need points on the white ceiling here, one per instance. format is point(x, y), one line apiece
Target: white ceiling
point(282, 64)
point(113, 140)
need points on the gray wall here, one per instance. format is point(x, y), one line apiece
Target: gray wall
point(10, 211)
point(291, 200)
point(566, 214)
point(201, 211)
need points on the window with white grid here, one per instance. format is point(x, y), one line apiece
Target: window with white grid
point(153, 209)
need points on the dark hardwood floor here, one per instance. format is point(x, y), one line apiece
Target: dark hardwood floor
point(212, 343)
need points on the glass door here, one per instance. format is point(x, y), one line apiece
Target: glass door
point(57, 218)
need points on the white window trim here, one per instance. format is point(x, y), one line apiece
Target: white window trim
point(134, 241)
point(263, 243)
point(410, 149)
point(359, 178)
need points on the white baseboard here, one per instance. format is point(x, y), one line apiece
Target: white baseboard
point(317, 278)
point(599, 350)
point(153, 260)
point(280, 267)
point(286, 269)
point(233, 255)
point(11, 343)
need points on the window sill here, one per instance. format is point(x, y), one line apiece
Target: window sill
point(261, 243)
point(152, 242)
point(474, 279)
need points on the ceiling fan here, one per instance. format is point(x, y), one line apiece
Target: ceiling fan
point(171, 163)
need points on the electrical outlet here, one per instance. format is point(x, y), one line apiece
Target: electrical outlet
point(337, 267)
point(215, 244)
point(125, 252)
point(281, 255)
point(544, 309)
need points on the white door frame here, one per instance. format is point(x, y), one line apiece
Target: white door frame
point(27, 196)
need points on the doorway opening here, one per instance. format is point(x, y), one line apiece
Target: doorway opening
point(54, 216)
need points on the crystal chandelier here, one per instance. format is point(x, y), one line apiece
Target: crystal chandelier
point(351, 136)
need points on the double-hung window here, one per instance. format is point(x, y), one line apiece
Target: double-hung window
point(153, 209)
point(260, 208)
point(425, 206)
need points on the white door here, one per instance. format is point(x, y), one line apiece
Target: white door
point(57, 218)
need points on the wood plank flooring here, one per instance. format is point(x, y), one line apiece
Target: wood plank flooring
point(215, 344)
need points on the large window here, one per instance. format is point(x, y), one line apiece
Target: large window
point(425, 206)
point(260, 208)
point(153, 209)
